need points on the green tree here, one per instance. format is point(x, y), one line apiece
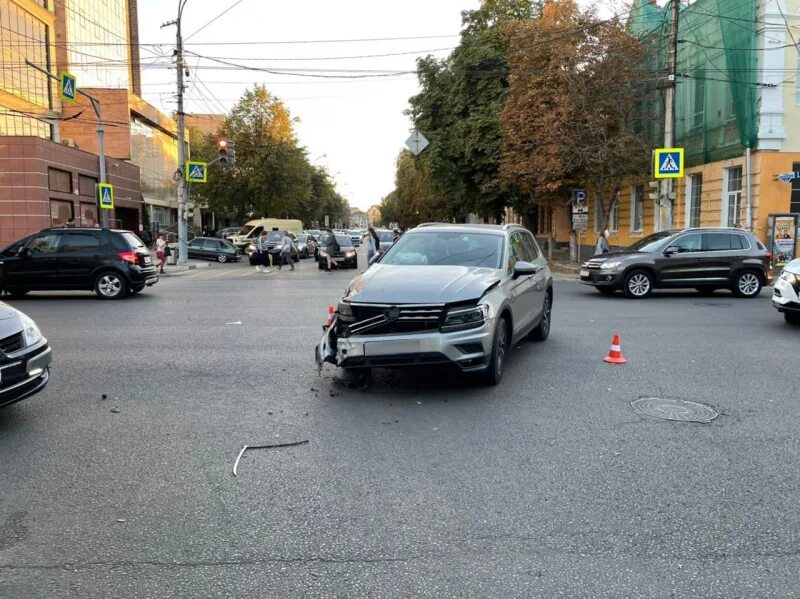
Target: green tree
point(459, 108)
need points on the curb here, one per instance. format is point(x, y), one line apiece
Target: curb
point(566, 269)
point(173, 271)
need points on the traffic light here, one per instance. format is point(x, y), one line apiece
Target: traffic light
point(226, 150)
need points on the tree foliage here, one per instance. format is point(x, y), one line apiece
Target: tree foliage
point(458, 110)
point(272, 176)
point(572, 115)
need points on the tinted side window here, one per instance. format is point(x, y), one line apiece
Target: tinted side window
point(531, 249)
point(516, 251)
point(212, 244)
point(79, 242)
point(687, 243)
point(46, 243)
point(717, 242)
point(736, 242)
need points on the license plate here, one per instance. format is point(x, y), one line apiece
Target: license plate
point(148, 260)
point(584, 273)
point(338, 259)
point(390, 348)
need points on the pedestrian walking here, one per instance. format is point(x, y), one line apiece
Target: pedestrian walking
point(373, 244)
point(286, 250)
point(161, 252)
point(602, 246)
point(263, 253)
point(331, 246)
point(70, 223)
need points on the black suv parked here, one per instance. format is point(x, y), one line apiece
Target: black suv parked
point(111, 262)
point(704, 259)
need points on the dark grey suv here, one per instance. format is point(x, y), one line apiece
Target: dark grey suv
point(704, 259)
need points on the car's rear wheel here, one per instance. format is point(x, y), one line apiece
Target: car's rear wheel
point(542, 330)
point(792, 317)
point(747, 284)
point(638, 284)
point(606, 290)
point(222, 258)
point(110, 285)
point(497, 361)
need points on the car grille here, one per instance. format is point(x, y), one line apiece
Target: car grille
point(594, 264)
point(378, 319)
point(12, 343)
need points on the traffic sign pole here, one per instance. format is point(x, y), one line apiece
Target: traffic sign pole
point(101, 153)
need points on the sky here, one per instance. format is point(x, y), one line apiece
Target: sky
point(354, 127)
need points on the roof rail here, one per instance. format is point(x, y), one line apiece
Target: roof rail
point(429, 225)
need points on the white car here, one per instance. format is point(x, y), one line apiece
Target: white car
point(786, 293)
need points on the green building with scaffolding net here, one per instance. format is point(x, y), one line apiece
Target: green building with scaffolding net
point(737, 93)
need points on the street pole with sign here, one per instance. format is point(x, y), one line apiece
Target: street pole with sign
point(69, 91)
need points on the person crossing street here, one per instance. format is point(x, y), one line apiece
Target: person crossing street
point(286, 250)
point(263, 252)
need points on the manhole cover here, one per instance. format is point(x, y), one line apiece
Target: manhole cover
point(674, 409)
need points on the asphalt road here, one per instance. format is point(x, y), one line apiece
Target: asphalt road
point(425, 486)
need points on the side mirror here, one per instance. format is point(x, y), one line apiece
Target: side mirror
point(672, 250)
point(524, 269)
point(375, 258)
point(22, 252)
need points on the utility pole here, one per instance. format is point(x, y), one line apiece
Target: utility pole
point(667, 195)
point(183, 225)
point(101, 149)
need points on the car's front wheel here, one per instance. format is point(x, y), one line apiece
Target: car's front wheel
point(110, 285)
point(497, 361)
point(748, 284)
point(792, 317)
point(638, 284)
point(542, 330)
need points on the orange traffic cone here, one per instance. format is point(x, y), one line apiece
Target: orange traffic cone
point(615, 355)
point(330, 316)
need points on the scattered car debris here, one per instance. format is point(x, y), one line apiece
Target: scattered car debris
point(121, 520)
point(238, 322)
point(104, 396)
point(273, 446)
point(115, 410)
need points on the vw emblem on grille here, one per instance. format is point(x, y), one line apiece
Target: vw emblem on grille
point(392, 314)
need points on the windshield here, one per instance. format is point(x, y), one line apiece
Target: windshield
point(274, 236)
point(447, 249)
point(385, 236)
point(354, 233)
point(246, 229)
point(651, 243)
point(302, 238)
point(344, 241)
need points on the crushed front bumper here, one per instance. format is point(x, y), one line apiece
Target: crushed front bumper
point(468, 349)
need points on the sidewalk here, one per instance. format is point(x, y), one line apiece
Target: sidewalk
point(561, 264)
point(180, 269)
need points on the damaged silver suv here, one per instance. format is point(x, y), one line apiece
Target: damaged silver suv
point(444, 294)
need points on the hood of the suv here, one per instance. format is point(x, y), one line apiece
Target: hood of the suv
point(390, 284)
point(621, 255)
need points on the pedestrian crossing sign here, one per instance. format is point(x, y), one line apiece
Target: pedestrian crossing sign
point(668, 163)
point(197, 172)
point(105, 196)
point(68, 87)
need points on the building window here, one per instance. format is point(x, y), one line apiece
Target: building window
point(733, 195)
point(23, 36)
point(88, 216)
point(637, 208)
point(87, 186)
point(59, 180)
point(613, 214)
point(60, 212)
point(699, 99)
point(695, 194)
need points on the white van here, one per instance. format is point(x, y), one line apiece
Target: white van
point(253, 228)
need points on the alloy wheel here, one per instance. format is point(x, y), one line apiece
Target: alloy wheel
point(501, 348)
point(548, 306)
point(749, 284)
point(639, 285)
point(110, 285)
point(222, 258)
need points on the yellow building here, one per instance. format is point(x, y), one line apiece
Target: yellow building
point(737, 87)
